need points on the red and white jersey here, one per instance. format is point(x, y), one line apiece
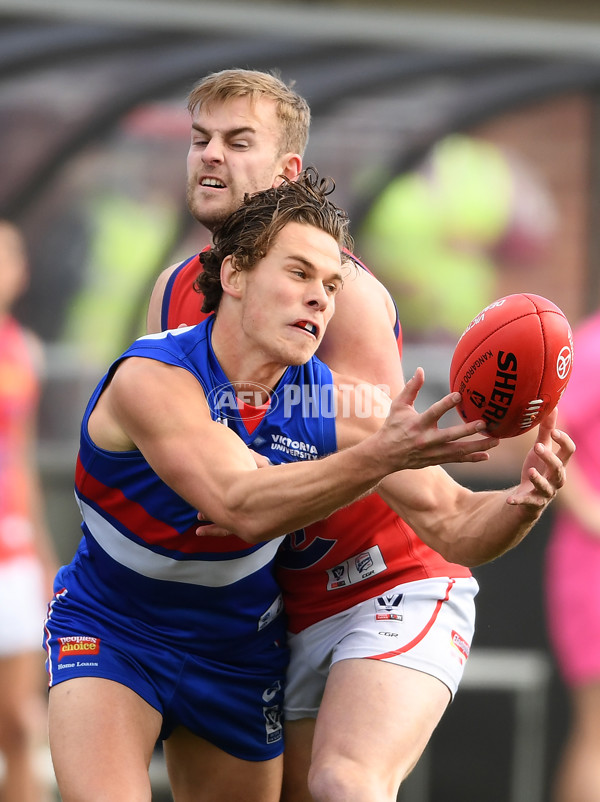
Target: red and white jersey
point(19, 393)
point(356, 553)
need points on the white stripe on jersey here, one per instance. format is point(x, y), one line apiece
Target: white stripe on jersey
point(211, 573)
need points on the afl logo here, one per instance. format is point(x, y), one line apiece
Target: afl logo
point(225, 400)
point(563, 362)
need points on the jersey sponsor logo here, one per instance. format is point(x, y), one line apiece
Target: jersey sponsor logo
point(364, 562)
point(294, 448)
point(461, 644)
point(358, 568)
point(273, 726)
point(78, 645)
point(388, 607)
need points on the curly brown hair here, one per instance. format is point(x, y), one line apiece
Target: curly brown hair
point(248, 233)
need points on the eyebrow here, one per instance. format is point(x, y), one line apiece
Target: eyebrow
point(336, 276)
point(246, 129)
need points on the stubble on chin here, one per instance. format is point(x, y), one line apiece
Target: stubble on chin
point(210, 218)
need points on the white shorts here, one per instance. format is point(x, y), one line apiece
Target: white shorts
point(426, 625)
point(22, 606)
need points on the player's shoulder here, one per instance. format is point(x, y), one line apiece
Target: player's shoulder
point(154, 322)
point(166, 274)
point(362, 285)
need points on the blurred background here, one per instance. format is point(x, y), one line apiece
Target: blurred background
point(464, 144)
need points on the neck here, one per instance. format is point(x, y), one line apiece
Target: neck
point(246, 366)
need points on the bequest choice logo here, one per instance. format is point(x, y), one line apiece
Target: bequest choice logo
point(322, 401)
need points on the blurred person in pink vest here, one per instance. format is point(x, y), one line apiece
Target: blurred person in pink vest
point(27, 561)
point(573, 574)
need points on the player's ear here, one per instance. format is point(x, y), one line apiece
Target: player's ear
point(232, 280)
point(290, 167)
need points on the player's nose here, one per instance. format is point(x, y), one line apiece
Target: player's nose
point(213, 151)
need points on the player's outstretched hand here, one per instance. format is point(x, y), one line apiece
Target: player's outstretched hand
point(415, 440)
point(544, 468)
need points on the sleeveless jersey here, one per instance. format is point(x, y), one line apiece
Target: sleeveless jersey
point(353, 555)
point(215, 596)
point(19, 395)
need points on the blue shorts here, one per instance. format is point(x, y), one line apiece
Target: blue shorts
point(235, 705)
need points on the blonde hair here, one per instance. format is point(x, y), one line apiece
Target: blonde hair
point(292, 109)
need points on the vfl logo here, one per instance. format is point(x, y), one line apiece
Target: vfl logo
point(563, 362)
point(273, 727)
point(387, 608)
point(338, 577)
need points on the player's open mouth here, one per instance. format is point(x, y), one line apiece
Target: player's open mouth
point(307, 326)
point(212, 182)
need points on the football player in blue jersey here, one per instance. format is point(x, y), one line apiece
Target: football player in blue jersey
point(157, 633)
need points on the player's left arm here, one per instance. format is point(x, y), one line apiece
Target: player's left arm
point(472, 528)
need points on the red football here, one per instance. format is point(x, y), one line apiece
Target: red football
point(512, 363)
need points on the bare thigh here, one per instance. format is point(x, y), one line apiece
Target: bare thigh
point(374, 723)
point(201, 772)
point(102, 736)
point(296, 759)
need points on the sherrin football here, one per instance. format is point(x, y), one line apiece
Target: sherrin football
point(512, 363)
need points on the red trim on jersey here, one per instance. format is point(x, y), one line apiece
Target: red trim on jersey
point(181, 303)
point(138, 521)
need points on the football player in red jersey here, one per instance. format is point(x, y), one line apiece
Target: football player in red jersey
point(372, 609)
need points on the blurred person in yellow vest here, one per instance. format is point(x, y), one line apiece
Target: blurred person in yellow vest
point(129, 235)
point(437, 236)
